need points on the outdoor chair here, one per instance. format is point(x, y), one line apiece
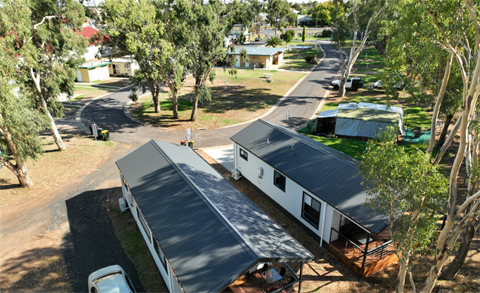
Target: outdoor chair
point(417, 132)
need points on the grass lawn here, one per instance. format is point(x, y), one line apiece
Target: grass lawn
point(235, 99)
point(295, 59)
point(88, 92)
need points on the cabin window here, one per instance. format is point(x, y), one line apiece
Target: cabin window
point(244, 154)
point(279, 180)
point(161, 256)
point(144, 226)
point(311, 210)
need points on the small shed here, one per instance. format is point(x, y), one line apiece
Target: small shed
point(258, 56)
point(123, 67)
point(92, 71)
point(203, 233)
point(358, 120)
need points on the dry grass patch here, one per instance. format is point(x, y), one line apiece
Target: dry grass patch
point(235, 99)
point(55, 169)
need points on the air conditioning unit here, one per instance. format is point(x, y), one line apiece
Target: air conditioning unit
point(236, 174)
point(123, 204)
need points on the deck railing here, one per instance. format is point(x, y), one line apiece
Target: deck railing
point(359, 253)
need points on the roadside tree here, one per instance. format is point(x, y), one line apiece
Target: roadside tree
point(277, 12)
point(273, 41)
point(358, 17)
point(51, 52)
point(20, 122)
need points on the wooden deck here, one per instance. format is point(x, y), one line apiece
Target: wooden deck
point(353, 257)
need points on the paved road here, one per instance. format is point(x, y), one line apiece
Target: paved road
point(302, 103)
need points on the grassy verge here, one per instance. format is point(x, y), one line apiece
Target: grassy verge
point(88, 92)
point(235, 99)
point(82, 156)
point(135, 247)
point(295, 59)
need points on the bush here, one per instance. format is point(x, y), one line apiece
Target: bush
point(288, 35)
point(310, 59)
point(273, 41)
point(326, 33)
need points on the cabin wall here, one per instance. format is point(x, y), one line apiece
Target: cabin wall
point(291, 200)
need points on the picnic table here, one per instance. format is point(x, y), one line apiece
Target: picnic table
point(268, 77)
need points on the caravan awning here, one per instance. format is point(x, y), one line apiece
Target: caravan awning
point(368, 114)
point(328, 114)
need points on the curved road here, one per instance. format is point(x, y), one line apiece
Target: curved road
point(302, 103)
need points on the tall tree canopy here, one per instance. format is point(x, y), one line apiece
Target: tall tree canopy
point(19, 120)
point(358, 17)
point(277, 12)
point(51, 52)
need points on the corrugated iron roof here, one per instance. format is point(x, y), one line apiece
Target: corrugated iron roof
point(328, 173)
point(261, 51)
point(210, 232)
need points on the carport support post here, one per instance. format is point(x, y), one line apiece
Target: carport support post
point(300, 281)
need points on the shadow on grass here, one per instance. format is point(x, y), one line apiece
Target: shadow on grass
point(233, 98)
point(39, 269)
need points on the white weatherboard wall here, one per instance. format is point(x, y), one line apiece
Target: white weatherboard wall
point(168, 277)
point(91, 52)
point(291, 200)
point(99, 73)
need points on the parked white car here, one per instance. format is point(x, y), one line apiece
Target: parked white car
point(112, 279)
point(351, 83)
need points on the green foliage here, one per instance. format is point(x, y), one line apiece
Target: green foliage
point(273, 41)
point(303, 34)
point(288, 35)
point(323, 12)
point(277, 11)
point(405, 187)
point(326, 33)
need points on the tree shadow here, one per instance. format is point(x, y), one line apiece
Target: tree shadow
point(39, 269)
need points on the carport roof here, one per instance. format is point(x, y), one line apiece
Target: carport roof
point(329, 174)
point(210, 232)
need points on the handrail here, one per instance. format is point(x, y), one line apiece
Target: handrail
point(350, 241)
point(380, 246)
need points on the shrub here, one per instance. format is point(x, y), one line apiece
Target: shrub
point(274, 41)
point(326, 33)
point(311, 59)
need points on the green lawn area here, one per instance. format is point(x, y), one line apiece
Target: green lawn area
point(235, 99)
point(295, 59)
point(87, 92)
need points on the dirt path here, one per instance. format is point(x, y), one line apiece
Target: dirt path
point(44, 244)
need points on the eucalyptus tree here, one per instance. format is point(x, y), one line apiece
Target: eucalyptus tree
point(137, 28)
point(20, 122)
point(449, 18)
point(203, 27)
point(50, 53)
point(277, 12)
point(358, 17)
point(409, 190)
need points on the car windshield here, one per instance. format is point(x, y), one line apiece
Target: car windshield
point(106, 276)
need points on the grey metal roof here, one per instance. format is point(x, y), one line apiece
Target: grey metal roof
point(327, 173)
point(210, 232)
point(261, 51)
